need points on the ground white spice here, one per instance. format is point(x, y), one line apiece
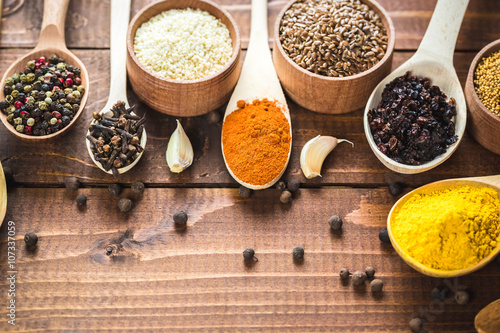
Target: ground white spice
point(183, 44)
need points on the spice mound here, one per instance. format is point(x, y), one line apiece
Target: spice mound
point(44, 97)
point(183, 44)
point(333, 38)
point(487, 82)
point(256, 141)
point(413, 124)
point(116, 141)
point(449, 229)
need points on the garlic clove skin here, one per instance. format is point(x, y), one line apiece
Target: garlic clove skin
point(179, 151)
point(314, 153)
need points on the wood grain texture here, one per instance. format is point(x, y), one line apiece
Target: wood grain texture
point(196, 281)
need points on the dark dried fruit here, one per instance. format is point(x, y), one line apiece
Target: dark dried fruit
point(180, 218)
point(344, 273)
point(125, 205)
point(370, 272)
point(298, 252)
point(138, 187)
point(249, 254)
point(395, 189)
point(335, 222)
point(376, 285)
point(72, 184)
point(81, 200)
point(30, 239)
point(358, 278)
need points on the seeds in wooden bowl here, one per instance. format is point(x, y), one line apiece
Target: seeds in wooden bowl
point(487, 82)
point(334, 38)
point(183, 44)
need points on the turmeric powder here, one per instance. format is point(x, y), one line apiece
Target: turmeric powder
point(449, 229)
point(256, 141)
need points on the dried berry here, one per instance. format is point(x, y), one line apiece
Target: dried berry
point(213, 117)
point(376, 285)
point(298, 252)
point(249, 254)
point(344, 273)
point(286, 196)
point(293, 185)
point(244, 192)
point(281, 185)
point(383, 235)
point(358, 278)
point(416, 325)
point(335, 222)
point(114, 189)
point(370, 272)
point(180, 218)
point(72, 184)
point(81, 200)
point(124, 205)
point(138, 187)
point(395, 189)
point(462, 297)
point(30, 239)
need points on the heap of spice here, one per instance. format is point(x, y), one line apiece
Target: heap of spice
point(334, 38)
point(44, 97)
point(412, 124)
point(449, 229)
point(256, 140)
point(487, 82)
point(183, 44)
point(115, 141)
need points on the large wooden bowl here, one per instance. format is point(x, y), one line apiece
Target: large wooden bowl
point(184, 98)
point(331, 94)
point(483, 124)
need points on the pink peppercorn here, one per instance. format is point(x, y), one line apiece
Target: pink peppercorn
point(78, 81)
point(27, 130)
point(70, 74)
point(26, 99)
point(41, 59)
point(68, 83)
point(25, 114)
point(38, 65)
point(56, 114)
point(56, 88)
point(18, 104)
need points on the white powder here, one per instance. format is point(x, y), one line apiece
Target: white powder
point(183, 44)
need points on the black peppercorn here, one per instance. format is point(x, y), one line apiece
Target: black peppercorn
point(335, 222)
point(462, 297)
point(370, 272)
point(281, 185)
point(298, 252)
point(30, 239)
point(213, 117)
point(358, 278)
point(124, 205)
point(81, 200)
point(72, 184)
point(344, 273)
point(138, 187)
point(416, 325)
point(395, 189)
point(114, 189)
point(249, 254)
point(293, 185)
point(376, 285)
point(286, 196)
point(180, 218)
point(244, 192)
point(383, 235)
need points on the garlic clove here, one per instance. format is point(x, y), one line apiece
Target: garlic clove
point(179, 151)
point(314, 153)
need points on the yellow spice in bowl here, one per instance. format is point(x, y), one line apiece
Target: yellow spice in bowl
point(449, 229)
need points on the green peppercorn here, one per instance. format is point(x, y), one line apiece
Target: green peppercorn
point(30, 77)
point(81, 200)
point(395, 188)
point(72, 184)
point(370, 272)
point(125, 205)
point(180, 218)
point(249, 254)
point(77, 94)
point(376, 285)
point(293, 185)
point(27, 88)
point(383, 235)
point(244, 192)
point(18, 121)
point(281, 185)
point(358, 278)
point(68, 91)
point(30, 100)
point(138, 187)
point(30, 239)
point(30, 122)
point(114, 189)
point(15, 77)
point(20, 128)
point(286, 196)
point(9, 81)
point(43, 106)
point(14, 93)
point(344, 273)
point(416, 325)
point(68, 106)
point(48, 100)
point(23, 78)
point(298, 253)
point(462, 297)
point(61, 66)
point(335, 222)
point(10, 118)
point(9, 99)
point(81, 89)
point(31, 64)
point(11, 109)
point(49, 94)
point(53, 121)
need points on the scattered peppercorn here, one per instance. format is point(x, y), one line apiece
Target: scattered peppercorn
point(124, 205)
point(370, 272)
point(9, 174)
point(114, 189)
point(180, 218)
point(249, 254)
point(376, 285)
point(293, 185)
point(281, 185)
point(138, 187)
point(286, 196)
point(213, 117)
point(30, 239)
point(335, 222)
point(395, 189)
point(462, 297)
point(298, 252)
point(81, 200)
point(344, 273)
point(416, 325)
point(244, 192)
point(72, 184)
point(358, 278)
point(383, 235)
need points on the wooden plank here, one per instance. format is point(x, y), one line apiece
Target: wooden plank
point(87, 24)
point(196, 281)
point(51, 163)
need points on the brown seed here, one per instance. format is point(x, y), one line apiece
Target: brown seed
point(138, 187)
point(124, 205)
point(286, 196)
point(81, 200)
point(376, 285)
point(72, 184)
point(180, 218)
point(358, 278)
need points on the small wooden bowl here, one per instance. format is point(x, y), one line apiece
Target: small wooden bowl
point(184, 98)
point(483, 124)
point(331, 94)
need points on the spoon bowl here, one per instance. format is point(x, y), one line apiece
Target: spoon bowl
point(51, 42)
point(488, 320)
point(433, 59)
point(489, 181)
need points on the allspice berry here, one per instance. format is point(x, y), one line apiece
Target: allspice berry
point(335, 222)
point(286, 196)
point(358, 278)
point(213, 117)
point(281, 185)
point(138, 187)
point(249, 254)
point(344, 273)
point(416, 325)
point(298, 252)
point(293, 185)
point(81, 200)
point(244, 192)
point(72, 184)
point(383, 235)
point(114, 189)
point(462, 297)
point(180, 218)
point(30, 239)
point(370, 272)
point(395, 189)
point(125, 205)
point(376, 285)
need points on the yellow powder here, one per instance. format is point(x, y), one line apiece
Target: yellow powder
point(449, 229)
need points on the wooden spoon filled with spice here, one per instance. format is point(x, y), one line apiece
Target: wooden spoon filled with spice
point(256, 132)
point(415, 122)
point(116, 136)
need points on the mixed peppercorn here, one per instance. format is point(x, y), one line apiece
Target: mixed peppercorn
point(43, 98)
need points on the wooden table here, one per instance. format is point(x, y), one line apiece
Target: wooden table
point(161, 280)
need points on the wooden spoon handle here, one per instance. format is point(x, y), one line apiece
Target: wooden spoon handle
point(441, 35)
point(120, 15)
point(52, 32)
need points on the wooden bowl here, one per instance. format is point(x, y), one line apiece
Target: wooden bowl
point(184, 98)
point(331, 94)
point(483, 124)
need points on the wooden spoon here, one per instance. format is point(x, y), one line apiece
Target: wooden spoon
point(120, 14)
point(51, 41)
point(489, 181)
point(488, 319)
point(433, 59)
point(258, 79)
